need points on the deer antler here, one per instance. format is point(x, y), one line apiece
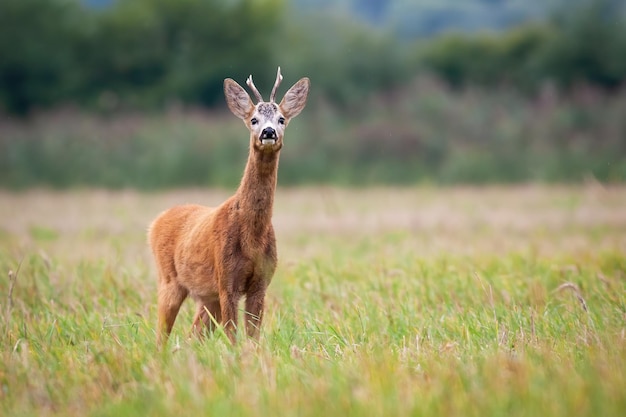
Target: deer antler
point(254, 89)
point(279, 78)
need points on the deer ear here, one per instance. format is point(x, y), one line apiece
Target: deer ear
point(237, 99)
point(295, 99)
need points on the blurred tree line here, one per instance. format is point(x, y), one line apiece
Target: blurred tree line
point(540, 101)
point(136, 53)
point(580, 46)
point(148, 54)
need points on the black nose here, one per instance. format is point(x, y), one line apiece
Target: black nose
point(268, 133)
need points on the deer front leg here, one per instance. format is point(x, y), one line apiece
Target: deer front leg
point(228, 304)
point(255, 300)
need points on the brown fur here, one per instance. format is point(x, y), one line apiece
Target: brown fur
point(219, 255)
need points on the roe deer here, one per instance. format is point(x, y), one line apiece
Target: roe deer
point(219, 255)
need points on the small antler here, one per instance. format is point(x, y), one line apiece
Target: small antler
point(254, 89)
point(279, 78)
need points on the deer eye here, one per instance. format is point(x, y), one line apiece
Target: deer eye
point(281, 121)
point(254, 121)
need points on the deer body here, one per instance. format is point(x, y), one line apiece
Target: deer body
point(218, 255)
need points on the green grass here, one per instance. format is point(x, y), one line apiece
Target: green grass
point(461, 301)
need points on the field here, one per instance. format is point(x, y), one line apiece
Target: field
point(461, 301)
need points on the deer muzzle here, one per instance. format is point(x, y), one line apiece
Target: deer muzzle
point(268, 136)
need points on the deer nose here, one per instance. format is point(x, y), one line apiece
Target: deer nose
point(268, 133)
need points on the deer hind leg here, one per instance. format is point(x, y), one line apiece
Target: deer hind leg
point(208, 313)
point(170, 298)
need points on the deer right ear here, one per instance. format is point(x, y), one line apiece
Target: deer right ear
point(237, 99)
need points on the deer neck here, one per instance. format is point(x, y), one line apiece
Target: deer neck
point(255, 196)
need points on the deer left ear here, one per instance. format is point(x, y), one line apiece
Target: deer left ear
point(237, 99)
point(295, 99)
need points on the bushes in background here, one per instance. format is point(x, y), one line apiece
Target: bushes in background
point(423, 133)
point(583, 47)
point(150, 54)
point(135, 54)
point(537, 102)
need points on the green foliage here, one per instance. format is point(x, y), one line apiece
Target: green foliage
point(137, 53)
point(490, 60)
point(147, 153)
point(160, 50)
point(584, 47)
point(549, 106)
point(346, 61)
point(151, 54)
point(425, 133)
point(38, 46)
point(590, 47)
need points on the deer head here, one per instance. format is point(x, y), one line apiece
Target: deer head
point(266, 120)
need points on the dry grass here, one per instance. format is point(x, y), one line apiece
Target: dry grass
point(433, 221)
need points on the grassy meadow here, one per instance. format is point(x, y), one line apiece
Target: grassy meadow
point(460, 301)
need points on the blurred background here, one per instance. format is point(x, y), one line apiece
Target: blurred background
point(128, 93)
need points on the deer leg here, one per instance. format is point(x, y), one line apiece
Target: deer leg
point(254, 312)
point(228, 304)
point(170, 298)
point(209, 312)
